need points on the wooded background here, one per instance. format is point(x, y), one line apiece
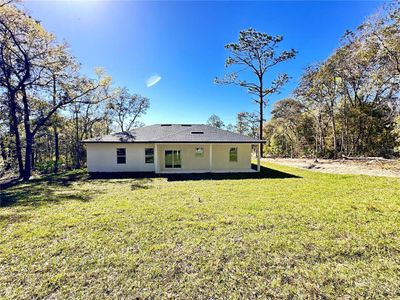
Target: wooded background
point(47, 106)
point(347, 105)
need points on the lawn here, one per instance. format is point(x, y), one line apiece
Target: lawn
point(289, 234)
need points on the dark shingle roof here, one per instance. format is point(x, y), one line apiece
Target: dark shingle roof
point(174, 133)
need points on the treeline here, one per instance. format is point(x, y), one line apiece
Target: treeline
point(46, 105)
point(348, 104)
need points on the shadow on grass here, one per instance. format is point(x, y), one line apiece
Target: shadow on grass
point(264, 173)
point(58, 188)
point(46, 190)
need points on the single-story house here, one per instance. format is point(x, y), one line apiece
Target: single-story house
point(172, 148)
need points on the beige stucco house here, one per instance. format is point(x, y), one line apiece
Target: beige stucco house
point(172, 148)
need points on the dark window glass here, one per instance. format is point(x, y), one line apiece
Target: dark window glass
point(233, 154)
point(121, 160)
point(173, 159)
point(149, 155)
point(121, 156)
point(168, 159)
point(121, 151)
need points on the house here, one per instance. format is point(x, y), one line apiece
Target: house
point(172, 148)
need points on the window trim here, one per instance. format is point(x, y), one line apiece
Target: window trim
point(119, 156)
point(146, 156)
point(237, 154)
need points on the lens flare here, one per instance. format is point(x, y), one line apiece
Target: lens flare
point(152, 80)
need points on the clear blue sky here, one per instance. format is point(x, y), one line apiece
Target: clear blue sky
point(183, 42)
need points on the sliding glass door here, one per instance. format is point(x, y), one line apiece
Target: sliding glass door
point(172, 158)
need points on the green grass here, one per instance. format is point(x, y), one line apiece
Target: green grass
point(314, 236)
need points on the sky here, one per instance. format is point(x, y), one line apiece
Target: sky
point(171, 52)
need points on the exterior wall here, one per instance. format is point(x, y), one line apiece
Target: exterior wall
point(189, 160)
point(103, 158)
point(221, 161)
point(220, 157)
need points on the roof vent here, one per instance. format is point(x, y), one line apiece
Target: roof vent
point(163, 125)
point(186, 125)
point(197, 132)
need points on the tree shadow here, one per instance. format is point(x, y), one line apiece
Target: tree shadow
point(141, 184)
point(46, 190)
point(9, 183)
point(59, 188)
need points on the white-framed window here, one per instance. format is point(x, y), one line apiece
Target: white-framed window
point(149, 155)
point(199, 152)
point(121, 156)
point(173, 159)
point(233, 154)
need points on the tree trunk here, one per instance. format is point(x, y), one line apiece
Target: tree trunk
point(316, 148)
point(33, 160)
point(56, 150)
point(56, 145)
point(15, 131)
point(261, 116)
point(261, 129)
point(28, 156)
point(334, 135)
point(28, 136)
point(77, 150)
point(4, 155)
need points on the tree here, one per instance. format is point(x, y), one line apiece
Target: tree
point(287, 113)
point(351, 100)
point(247, 124)
point(14, 71)
point(215, 121)
point(318, 89)
point(396, 132)
point(242, 123)
point(6, 2)
point(257, 52)
point(31, 64)
point(230, 127)
point(46, 106)
point(126, 108)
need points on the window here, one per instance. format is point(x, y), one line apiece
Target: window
point(121, 156)
point(233, 154)
point(149, 155)
point(172, 158)
point(199, 152)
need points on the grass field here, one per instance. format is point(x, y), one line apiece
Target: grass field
point(290, 234)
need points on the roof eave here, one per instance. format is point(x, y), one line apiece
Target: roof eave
point(175, 142)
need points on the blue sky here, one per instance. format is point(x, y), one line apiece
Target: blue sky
point(183, 43)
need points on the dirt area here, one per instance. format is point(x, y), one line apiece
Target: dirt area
point(360, 167)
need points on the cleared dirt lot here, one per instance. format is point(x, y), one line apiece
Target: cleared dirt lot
point(372, 167)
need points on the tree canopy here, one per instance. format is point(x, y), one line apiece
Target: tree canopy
point(47, 104)
point(351, 101)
